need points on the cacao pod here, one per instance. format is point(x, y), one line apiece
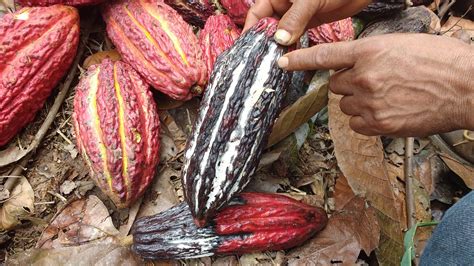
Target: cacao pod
point(217, 36)
point(154, 39)
point(37, 47)
point(117, 130)
point(195, 12)
point(240, 104)
point(253, 222)
point(237, 9)
point(382, 9)
point(337, 31)
point(54, 2)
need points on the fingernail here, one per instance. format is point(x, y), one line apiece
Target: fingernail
point(282, 36)
point(283, 62)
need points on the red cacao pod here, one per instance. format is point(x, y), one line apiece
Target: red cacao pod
point(154, 39)
point(237, 9)
point(337, 31)
point(195, 12)
point(62, 2)
point(117, 130)
point(252, 222)
point(37, 47)
point(218, 35)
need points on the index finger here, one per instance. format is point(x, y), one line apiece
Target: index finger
point(323, 56)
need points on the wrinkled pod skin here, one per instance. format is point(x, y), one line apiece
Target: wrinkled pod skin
point(154, 39)
point(218, 35)
point(237, 9)
point(253, 222)
point(117, 130)
point(240, 104)
point(195, 12)
point(62, 2)
point(37, 47)
point(337, 31)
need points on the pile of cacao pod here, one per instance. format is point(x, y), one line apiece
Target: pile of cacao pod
point(117, 123)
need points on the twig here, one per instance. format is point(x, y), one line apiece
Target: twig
point(57, 195)
point(64, 90)
point(409, 191)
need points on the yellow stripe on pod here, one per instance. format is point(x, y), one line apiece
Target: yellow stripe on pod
point(94, 85)
point(122, 129)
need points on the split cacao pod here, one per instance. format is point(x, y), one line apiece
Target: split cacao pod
point(195, 12)
point(155, 40)
point(337, 31)
point(62, 2)
point(240, 104)
point(237, 9)
point(37, 47)
point(117, 130)
point(218, 35)
point(252, 222)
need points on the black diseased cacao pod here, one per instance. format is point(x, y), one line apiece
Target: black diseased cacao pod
point(382, 9)
point(252, 222)
point(195, 12)
point(240, 104)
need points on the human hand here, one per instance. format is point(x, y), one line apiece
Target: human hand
point(397, 84)
point(299, 15)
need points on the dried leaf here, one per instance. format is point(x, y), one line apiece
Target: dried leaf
point(342, 193)
point(226, 261)
point(348, 231)
point(13, 154)
point(454, 24)
point(132, 215)
point(82, 221)
point(67, 187)
point(19, 206)
point(161, 195)
point(301, 111)
point(105, 252)
point(464, 171)
point(361, 160)
point(6, 6)
point(163, 102)
point(98, 57)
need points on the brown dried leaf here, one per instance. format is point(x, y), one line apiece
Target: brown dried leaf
point(161, 195)
point(6, 6)
point(454, 24)
point(342, 193)
point(82, 221)
point(98, 57)
point(19, 206)
point(104, 252)
point(361, 160)
point(348, 231)
point(163, 102)
point(301, 111)
point(13, 154)
point(464, 171)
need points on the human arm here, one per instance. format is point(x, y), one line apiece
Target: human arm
point(398, 84)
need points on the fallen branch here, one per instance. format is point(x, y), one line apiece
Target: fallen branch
point(63, 92)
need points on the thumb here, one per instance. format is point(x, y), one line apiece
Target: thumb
point(323, 56)
point(293, 23)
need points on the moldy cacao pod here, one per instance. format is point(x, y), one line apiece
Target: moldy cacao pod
point(217, 36)
point(337, 31)
point(154, 39)
point(117, 126)
point(54, 2)
point(240, 104)
point(37, 47)
point(252, 222)
point(237, 9)
point(195, 12)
